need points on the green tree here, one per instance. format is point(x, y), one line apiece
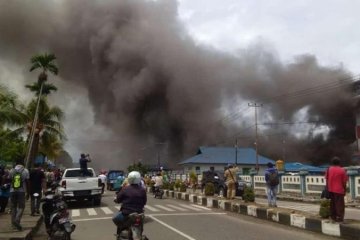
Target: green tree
point(46, 90)
point(48, 126)
point(44, 62)
point(8, 107)
point(12, 146)
point(138, 167)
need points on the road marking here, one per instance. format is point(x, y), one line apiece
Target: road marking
point(205, 208)
point(176, 207)
point(106, 210)
point(190, 207)
point(165, 208)
point(91, 219)
point(75, 213)
point(151, 208)
point(184, 214)
point(91, 211)
point(152, 215)
point(172, 228)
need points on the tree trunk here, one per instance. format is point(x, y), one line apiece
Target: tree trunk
point(34, 150)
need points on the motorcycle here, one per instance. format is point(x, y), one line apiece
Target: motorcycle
point(56, 216)
point(158, 192)
point(135, 227)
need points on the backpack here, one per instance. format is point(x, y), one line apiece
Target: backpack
point(17, 180)
point(273, 179)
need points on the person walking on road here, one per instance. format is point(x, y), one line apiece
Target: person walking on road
point(336, 178)
point(230, 176)
point(37, 185)
point(102, 178)
point(4, 191)
point(19, 191)
point(272, 182)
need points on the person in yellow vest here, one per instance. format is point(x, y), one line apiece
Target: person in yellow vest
point(230, 176)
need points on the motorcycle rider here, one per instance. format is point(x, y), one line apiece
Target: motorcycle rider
point(133, 199)
point(158, 182)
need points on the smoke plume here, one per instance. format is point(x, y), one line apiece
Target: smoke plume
point(161, 93)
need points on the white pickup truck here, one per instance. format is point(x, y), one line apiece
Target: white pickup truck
point(75, 186)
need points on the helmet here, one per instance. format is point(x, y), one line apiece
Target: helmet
point(134, 177)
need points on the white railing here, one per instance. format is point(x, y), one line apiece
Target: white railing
point(357, 186)
point(291, 184)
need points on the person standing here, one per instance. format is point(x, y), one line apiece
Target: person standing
point(4, 191)
point(230, 176)
point(37, 185)
point(272, 182)
point(102, 178)
point(336, 178)
point(84, 159)
point(19, 191)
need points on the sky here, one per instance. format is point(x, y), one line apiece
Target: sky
point(326, 29)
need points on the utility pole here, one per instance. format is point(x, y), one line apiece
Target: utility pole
point(256, 105)
point(236, 145)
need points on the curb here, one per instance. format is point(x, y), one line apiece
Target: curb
point(25, 234)
point(298, 220)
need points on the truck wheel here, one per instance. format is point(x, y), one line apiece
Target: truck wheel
point(97, 201)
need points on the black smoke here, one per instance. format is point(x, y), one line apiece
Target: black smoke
point(153, 86)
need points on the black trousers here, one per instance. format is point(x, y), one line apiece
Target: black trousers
point(3, 203)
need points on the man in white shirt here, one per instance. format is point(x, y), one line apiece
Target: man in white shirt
point(102, 178)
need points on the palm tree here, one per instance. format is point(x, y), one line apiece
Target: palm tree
point(47, 88)
point(48, 124)
point(51, 146)
point(45, 62)
point(8, 103)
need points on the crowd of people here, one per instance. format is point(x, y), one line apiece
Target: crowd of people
point(18, 184)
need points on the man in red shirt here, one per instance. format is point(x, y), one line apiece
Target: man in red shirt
point(336, 178)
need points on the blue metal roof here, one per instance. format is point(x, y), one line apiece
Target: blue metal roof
point(226, 155)
point(296, 166)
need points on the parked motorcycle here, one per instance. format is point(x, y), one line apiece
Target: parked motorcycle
point(158, 192)
point(56, 216)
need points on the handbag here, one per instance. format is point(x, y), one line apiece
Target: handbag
point(325, 192)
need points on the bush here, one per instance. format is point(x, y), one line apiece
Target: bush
point(193, 178)
point(171, 186)
point(209, 189)
point(182, 187)
point(177, 184)
point(166, 185)
point(249, 195)
point(324, 211)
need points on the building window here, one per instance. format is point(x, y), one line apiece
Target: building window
point(197, 169)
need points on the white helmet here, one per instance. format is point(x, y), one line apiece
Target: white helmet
point(134, 177)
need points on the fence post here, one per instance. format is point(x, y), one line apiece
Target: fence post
point(253, 172)
point(303, 172)
point(352, 172)
point(281, 173)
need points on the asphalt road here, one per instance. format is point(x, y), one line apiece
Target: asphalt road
point(179, 220)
